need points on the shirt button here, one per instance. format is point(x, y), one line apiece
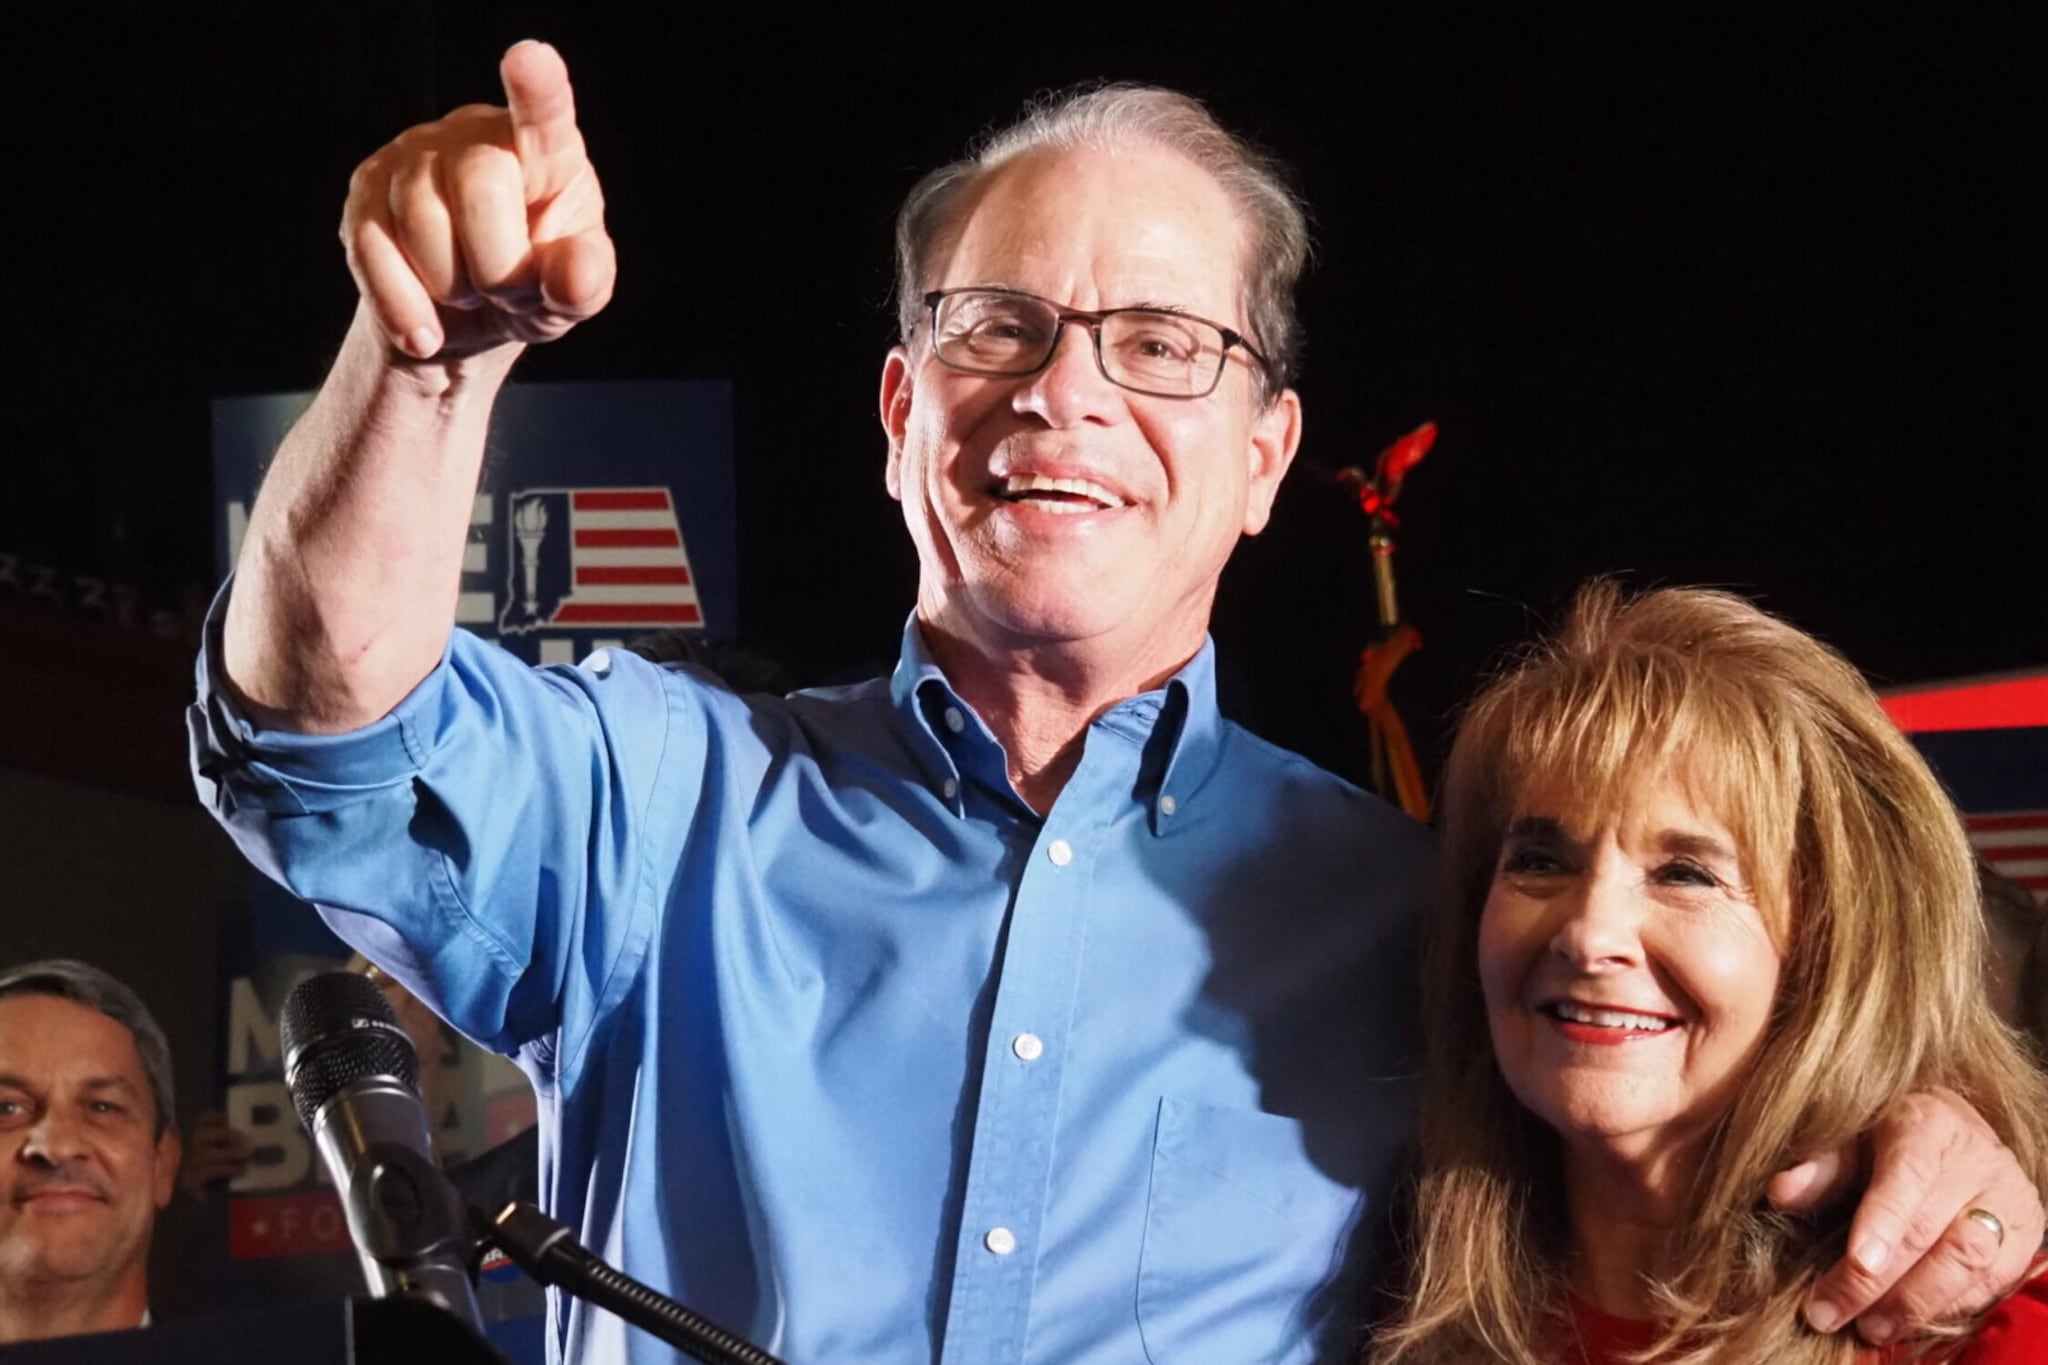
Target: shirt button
point(599, 662)
point(1028, 1046)
point(1167, 805)
point(1060, 852)
point(950, 788)
point(1001, 1241)
point(954, 720)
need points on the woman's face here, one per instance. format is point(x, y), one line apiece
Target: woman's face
point(1628, 970)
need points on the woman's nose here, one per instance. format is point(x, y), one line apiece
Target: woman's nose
point(1600, 928)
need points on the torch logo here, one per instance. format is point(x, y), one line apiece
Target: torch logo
point(585, 559)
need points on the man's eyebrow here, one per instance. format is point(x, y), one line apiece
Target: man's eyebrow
point(1148, 305)
point(9, 1081)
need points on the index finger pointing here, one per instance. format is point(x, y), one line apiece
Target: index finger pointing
point(542, 105)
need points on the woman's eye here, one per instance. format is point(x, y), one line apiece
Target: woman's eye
point(1686, 874)
point(1530, 861)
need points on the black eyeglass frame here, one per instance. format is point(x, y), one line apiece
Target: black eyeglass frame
point(1232, 339)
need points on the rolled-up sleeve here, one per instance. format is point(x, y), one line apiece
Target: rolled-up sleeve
point(483, 841)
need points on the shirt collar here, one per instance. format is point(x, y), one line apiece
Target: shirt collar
point(937, 718)
point(1178, 726)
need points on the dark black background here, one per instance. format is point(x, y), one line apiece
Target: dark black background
point(1749, 299)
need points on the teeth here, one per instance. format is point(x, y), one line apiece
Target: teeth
point(1584, 1014)
point(1018, 484)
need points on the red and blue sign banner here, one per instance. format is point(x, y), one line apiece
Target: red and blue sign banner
point(1987, 739)
point(597, 559)
point(604, 512)
point(2015, 843)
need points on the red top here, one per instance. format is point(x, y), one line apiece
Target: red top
point(2014, 1333)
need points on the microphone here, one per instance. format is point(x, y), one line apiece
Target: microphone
point(354, 1078)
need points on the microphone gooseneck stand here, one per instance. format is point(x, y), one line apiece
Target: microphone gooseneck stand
point(546, 1250)
point(354, 1077)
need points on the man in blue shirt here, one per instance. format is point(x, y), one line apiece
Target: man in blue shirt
point(1016, 1008)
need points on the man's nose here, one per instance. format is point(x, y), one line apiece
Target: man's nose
point(56, 1137)
point(1600, 926)
point(1070, 388)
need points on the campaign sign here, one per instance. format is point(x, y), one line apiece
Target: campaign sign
point(604, 512)
point(1987, 739)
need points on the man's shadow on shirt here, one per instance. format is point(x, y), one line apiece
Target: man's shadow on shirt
point(1323, 985)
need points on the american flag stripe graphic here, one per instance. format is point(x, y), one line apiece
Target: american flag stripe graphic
point(622, 500)
point(2015, 843)
point(621, 537)
point(630, 565)
point(632, 573)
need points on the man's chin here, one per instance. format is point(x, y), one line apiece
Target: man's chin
point(72, 1242)
point(62, 1261)
point(1046, 622)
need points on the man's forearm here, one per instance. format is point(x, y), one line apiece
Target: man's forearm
point(346, 585)
point(468, 238)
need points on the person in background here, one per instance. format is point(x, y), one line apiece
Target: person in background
point(2017, 969)
point(1704, 909)
point(88, 1150)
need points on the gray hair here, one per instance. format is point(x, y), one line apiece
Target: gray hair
point(1105, 116)
point(84, 984)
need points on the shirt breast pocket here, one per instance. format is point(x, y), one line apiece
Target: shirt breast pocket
point(1241, 1232)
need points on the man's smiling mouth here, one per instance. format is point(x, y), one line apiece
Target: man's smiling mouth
point(1058, 495)
point(60, 1197)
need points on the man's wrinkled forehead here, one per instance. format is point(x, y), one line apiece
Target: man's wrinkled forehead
point(45, 1035)
point(1060, 191)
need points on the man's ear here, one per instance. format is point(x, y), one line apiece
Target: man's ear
point(897, 383)
point(164, 1166)
point(1275, 436)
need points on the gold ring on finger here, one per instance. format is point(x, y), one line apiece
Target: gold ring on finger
point(1988, 1221)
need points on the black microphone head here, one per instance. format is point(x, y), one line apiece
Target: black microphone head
point(337, 1028)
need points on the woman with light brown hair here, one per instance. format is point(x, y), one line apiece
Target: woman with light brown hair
point(1705, 910)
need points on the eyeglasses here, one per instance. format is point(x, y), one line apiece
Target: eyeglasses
point(1146, 350)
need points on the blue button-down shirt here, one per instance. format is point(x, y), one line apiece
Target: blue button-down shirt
point(841, 1044)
